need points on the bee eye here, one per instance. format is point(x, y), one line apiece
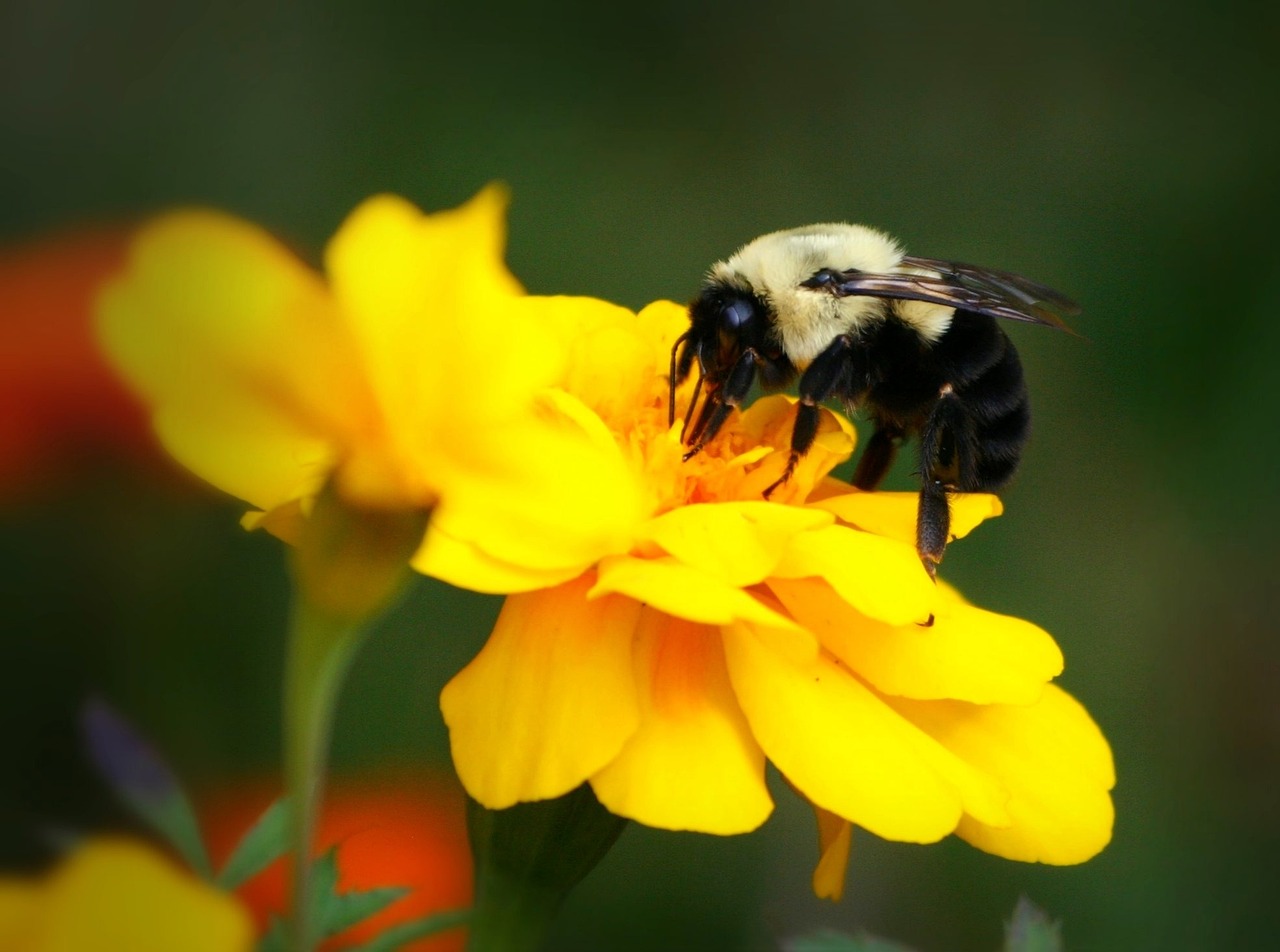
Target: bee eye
point(735, 315)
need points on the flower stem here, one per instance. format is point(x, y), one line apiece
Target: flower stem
point(349, 567)
point(319, 653)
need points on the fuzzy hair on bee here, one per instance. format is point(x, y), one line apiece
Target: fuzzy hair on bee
point(913, 342)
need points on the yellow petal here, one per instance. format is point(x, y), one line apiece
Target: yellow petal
point(610, 363)
point(113, 894)
point(894, 514)
point(835, 839)
point(738, 542)
point(468, 566)
point(660, 323)
point(266, 463)
point(237, 345)
point(550, 699)
point(686, 592)
point(849, 752)
point(433, 314)
point(20, 908)
point(769, 421)
point(967, 654)
point(555, 496)
point(882, 578)
point(1051, 757)
point(410, 286)
point(693, 764)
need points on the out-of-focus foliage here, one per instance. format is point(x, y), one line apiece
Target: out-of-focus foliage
point(1125, 155)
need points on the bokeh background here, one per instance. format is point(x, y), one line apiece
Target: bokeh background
point(1125, 153)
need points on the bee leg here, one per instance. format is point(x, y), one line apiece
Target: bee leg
point(878, 456)
point(720, 403)
point(947, 457)
point(818, 382)
point(933, 524)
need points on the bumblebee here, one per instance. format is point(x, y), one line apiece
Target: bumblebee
point(914, 342)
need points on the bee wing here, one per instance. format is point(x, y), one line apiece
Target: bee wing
point(964, 286)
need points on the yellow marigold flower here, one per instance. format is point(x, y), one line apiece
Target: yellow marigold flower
point(729, 630)
point(113, 894)
point(405, 375)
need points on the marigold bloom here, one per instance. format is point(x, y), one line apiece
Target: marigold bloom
point(730, 630)
point(390, 831)
point(405, 376)
point(114, 894)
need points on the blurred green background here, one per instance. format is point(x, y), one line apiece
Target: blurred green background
point(1126, 154)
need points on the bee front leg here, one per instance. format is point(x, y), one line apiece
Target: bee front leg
point(722, 401)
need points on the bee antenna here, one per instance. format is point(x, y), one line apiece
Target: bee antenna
point(671, 378)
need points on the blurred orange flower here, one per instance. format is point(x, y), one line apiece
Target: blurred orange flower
point(399, 830)
point(59, 401)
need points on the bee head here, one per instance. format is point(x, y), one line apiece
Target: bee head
point(723, 322)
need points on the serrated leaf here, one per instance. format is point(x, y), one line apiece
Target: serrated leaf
point(324, 885)
point(404, 933)
point(347, 909)
point(265, 842)
point(1031, 930)
point(143, 781)
point(336, 912)
point(828, 941)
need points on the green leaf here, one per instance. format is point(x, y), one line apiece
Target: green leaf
point(143, 781)
point(335, 912)
point(266, 841)
point(1031, 930)
point(276, 938)
point(406, 932)
point(345, 910)
point(828, 941)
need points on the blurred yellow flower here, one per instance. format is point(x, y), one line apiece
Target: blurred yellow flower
point(111, 895)
point(729, 630)
point(406, 376)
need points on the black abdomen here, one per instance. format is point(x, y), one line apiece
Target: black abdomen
point(963, 395)
point(992, 412)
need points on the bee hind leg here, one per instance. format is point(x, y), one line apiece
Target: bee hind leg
point(948, 460)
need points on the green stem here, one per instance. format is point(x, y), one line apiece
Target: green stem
point(349, 567)
point(320, 651)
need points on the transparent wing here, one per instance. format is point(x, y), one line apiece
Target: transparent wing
point(954, 284)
